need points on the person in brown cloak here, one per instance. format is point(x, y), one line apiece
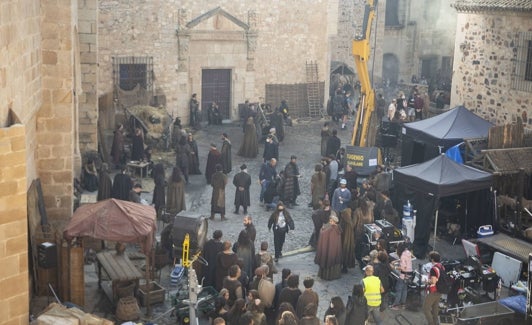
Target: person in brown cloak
point(213, 158)
point(329, 250)
point(318, 187)
point(218, 183)
point(175, 198)
point(226, 154)
point(105, 183)
point(117, 149)
point(250, 145)
point(347, 224)
point(319, 218)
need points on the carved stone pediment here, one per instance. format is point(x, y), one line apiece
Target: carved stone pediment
point(217, 19)
point(216, 25)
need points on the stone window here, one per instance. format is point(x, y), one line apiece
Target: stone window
point(522, 80)
point(128, 72)
point(391, 18)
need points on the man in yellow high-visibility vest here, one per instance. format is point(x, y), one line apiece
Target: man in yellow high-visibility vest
point(372, 291)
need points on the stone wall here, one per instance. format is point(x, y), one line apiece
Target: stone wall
point(14, 296)
point(88, 57)
point(288, 33)
point(484, 64)
point(57, 117)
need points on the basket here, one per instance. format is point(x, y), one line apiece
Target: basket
point(127, 309)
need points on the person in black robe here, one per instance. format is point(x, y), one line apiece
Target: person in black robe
point(271, 149)
point(276, 121)
point(90, 176)
point(137, 145)
point(224, 260)
point(105, 183)
point(121, 186)
point(249, 227)
point(159, 190)
point(319, 218)
point(210, 250)
point(182, 157)
point(193, 161)
point(213, 158)
point(194, 111)
point(226, 154)
point(117, 149)
point(291, 184)
point(242, 182)
point(333, 144)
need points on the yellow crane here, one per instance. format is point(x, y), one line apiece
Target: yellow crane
point(361, 53)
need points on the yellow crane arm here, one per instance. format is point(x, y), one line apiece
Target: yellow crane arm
point(361, 52)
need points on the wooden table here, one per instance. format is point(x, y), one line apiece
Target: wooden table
point(119, 268)
point(140, 166)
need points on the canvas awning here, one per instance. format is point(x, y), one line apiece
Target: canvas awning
point(114, 220)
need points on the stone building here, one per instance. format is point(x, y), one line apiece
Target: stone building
point(225, 51)
point(409, 38)
point(492, 72)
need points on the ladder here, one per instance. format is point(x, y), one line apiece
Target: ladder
point(313, 90)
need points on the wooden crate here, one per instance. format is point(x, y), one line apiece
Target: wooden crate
point(157, 294)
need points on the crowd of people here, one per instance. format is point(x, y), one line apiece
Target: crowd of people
point(339, 205)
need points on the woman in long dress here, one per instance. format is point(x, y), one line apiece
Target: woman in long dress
point(250, 145)
point(175, 198)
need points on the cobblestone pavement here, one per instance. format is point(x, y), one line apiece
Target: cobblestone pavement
point(303, 140)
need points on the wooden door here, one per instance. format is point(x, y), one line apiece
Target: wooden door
point(216, 86)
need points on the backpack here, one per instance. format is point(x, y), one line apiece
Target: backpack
point(443, 285)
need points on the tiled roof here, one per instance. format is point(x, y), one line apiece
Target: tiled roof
point(493, 5)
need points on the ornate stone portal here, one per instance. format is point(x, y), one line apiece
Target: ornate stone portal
point(217, 40)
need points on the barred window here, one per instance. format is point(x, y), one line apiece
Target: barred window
point(528, 62)
point(130, 71)
point(522, 79)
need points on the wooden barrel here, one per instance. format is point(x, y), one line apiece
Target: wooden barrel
point(127, 309)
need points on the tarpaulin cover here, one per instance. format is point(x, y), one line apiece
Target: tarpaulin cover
point(425, 139)
point(114, 220)
point(442, 177)
point(449, 128)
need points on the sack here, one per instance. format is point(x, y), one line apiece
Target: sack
point(443, 285)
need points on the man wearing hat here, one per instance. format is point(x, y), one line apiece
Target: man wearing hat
point(341, 197)
point(291, 185)
point(242, 182)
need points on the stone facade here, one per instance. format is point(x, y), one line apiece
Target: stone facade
point(419, 40)
point(38, 130)
point(14, 299)
point(486, 62)
point(260, 42)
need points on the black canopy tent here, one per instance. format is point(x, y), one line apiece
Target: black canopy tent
point(437, 178)
point(425, 139)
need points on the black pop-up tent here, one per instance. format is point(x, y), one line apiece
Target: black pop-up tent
point(425, 139)
point(437, 178)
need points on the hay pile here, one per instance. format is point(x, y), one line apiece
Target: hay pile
point(155, 119)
